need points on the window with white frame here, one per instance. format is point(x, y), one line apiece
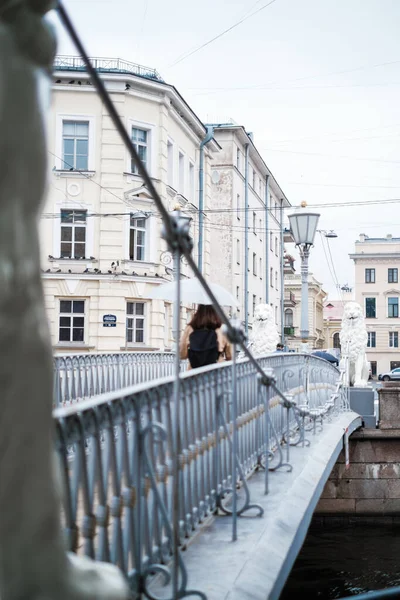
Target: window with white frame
point(271, 277)
point(137, 238)
point(72, 321)
point(393, 339)
point(254, 223)
point(238, 206)
point(254, 264)
point(135, 322)
point(73, 233)
point(140, 141)
point(276, 280)
point(276, 246)
point(371, 342)
point(393, 307)
point(271, 241)
point(75, 145)
point(238, 252)
point(254, 179)
point(181, 164)
point(170, 158)
point(191, 181)
point(289, 318)
point(393, 276)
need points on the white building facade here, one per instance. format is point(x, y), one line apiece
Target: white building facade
point(377, 289)
point(245, 224)
point(102, 251)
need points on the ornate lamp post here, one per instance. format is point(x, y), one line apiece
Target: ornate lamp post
point(304, 226)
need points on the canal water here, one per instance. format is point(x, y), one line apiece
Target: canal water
point(336, 562)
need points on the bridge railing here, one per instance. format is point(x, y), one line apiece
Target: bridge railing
point(81, 376)
point(117, 454)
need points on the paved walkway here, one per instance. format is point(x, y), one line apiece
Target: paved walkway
point(256, 566)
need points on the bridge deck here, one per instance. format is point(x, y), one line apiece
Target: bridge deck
point(257, 565)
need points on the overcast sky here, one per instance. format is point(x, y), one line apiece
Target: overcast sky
point(316, 81)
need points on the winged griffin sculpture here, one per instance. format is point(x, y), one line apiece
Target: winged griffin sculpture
point(33, 562)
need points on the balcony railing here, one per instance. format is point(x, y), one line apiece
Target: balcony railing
point(289, 331)
point(81, 376)
point(117, 451)
point(104, 65)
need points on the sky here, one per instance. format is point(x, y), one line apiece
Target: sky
point(316, 81)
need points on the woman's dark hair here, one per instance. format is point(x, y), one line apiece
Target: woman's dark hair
point(205, 317)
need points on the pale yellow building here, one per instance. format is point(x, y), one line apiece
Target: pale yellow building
point(102, 252)
point(377, 289)
point(292, 311)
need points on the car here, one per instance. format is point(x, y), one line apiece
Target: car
point(390, 375)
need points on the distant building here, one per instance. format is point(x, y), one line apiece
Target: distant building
point(233, 181)
point(333, 313)
point(377, 289)
point(292, 310)
point(102, 251)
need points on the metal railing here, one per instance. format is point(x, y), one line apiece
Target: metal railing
point(104, 65)
point(117, 454)
point(81, 376)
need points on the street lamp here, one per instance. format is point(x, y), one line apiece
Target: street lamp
point(304, 226)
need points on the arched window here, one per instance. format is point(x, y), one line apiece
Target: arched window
point(289, 318)
point(336, 340)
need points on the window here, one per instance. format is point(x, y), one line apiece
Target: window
point(259, 187)
point(254, 303)
point(271, 277)
point(393, 307)
point(181, 173)
point(135, 319)
point(72, 321)
point(254, 223)
point(73, 233)
point(139, 141)
point(237, 292)
point(370, 308)
point(170, 158)
point(238, 159)
point(393, 339)
point(336, 340)
point(238, 206)
point(261, 229)
point(191, 181)
point(254, 264)
point(289, 318)
point(276, 246)
point(276, 280)
point(271, 241)
point(238, 252)
point(75, 145)
point(260, 268)
point(254, 179)
point(137, 239)
point(369, 275)
point(393, 276)
point(371, 339)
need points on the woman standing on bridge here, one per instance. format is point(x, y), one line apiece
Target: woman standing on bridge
point(203, 342)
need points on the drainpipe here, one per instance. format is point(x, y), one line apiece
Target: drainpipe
point(266, 240)
point(246, 240)
point(282, 278)
point(209, 136)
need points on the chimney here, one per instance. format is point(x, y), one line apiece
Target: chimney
point(363, 237)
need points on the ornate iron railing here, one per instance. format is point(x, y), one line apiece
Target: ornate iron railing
point(117, 454)
point(104, 65)
point(81, 376)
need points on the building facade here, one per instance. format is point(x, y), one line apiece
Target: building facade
point(246, 224)
point(102, 251)
point(292, 309)
point(377, 289)
point(333, 313)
